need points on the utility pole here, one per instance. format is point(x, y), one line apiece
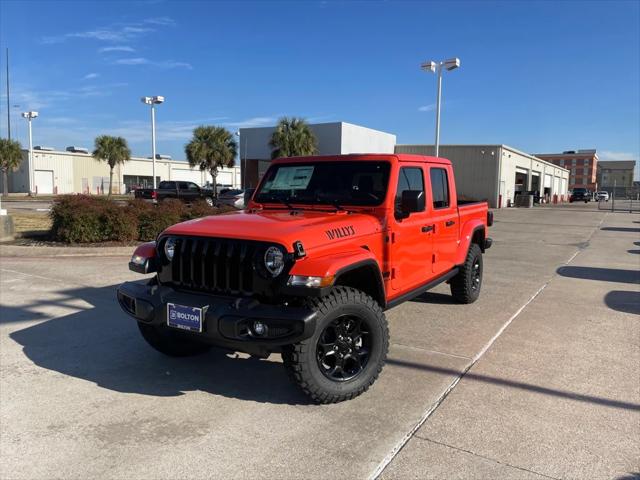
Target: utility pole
point(8, 102)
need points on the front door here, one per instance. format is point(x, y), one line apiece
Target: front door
point(410, 237)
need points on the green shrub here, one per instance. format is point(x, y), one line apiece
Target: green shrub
point(166, 213)
point(76, 219)
point(90, 219)
point(119, 223)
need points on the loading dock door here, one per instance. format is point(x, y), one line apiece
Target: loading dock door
point(535, 181)
point(44, 181)
point(522, 180)
point(186, 175)
point(547, 184)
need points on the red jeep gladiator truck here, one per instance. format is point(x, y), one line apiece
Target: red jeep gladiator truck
point(325, 246)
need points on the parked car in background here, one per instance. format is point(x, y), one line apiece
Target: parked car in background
point(236, 197)
point(233, 197)
point(185, 191)
point(580, 195)
point(602, 196)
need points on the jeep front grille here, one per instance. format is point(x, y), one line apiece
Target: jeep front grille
point(214, 265)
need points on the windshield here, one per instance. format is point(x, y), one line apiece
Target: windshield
point(360, 183)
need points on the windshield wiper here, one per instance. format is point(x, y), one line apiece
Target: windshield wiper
point(274, 198)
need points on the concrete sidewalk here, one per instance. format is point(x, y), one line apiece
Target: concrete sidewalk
point(558, 393)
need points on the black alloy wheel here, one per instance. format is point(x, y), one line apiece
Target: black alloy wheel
point(343, 348)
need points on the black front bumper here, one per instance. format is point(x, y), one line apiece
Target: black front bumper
point(228, 320)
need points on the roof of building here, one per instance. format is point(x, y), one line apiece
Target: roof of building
point(487, 146)
point(618, 164)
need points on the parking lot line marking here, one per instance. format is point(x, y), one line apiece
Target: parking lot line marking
point(409, 435)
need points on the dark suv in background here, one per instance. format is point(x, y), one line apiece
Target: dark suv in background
point(580, 195)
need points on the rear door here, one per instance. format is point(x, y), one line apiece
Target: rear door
point(444, 217)
point(410, 237)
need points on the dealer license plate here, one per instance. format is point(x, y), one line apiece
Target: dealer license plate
point(184, 317)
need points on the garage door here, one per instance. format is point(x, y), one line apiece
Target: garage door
point(44, 181)
point(556, 185)
point(186, 175)
point(225, 178)
point(547, 181)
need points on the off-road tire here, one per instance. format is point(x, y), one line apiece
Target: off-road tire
point(462, 285)
point(171, 343)
point(300, 359)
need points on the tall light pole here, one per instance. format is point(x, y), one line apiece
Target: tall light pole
point(30, 116)
point(153, 101)
point(431, 66)
point(243, 168)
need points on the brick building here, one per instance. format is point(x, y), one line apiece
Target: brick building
point(582, 166)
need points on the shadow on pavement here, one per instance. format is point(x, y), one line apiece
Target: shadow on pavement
point(637, 252)
point(102, 345)
point(623, 301)
point(621, 229)
point(601, 274)
point(520, 385)
point(436, 298)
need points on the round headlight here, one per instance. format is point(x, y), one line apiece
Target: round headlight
point(170, 247)
point(274, 261)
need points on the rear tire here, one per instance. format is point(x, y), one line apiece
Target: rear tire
point(465, 286)
point(171, 343)
point(346, 353)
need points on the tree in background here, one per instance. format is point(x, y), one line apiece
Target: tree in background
point(292, 138)
point(10, 158)
point(113, 150)
point(210, 149)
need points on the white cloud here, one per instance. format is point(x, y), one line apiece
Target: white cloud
point(146, 61)
point(91, 76)
point(116, 32)
point(253, 122)
point(611, 155)
point(427, 108)
point(38, 99)
point(117, 48)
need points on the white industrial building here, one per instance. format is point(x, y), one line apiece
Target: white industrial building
point(497, 173)
point(333, 138)
point(59, 172)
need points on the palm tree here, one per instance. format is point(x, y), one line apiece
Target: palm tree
point(10, 158)
point(292, 138)
point(113, 150)
point(211, 148)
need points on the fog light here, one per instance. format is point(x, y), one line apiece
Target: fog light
point(259, 328)
point(138, 260)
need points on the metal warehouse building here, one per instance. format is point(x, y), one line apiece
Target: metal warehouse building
point(497, 172)
point(77, 172)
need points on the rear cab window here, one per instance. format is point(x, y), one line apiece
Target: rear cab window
point(439, 187)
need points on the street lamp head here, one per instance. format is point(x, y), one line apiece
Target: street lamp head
point(29, 115)
point(147, 100)
point(429, 66)
point(452, 63)
point(157, 99)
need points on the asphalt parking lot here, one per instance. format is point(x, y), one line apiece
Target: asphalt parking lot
point(538, 379)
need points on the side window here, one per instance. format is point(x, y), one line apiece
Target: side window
point(183, 185)
point(439, 187)
point(409, 178)
point(193, 187)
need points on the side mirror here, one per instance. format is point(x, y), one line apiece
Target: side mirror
point(412, 201)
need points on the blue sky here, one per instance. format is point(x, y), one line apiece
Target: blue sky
point(539, 76)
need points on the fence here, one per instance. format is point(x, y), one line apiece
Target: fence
point(616, 204)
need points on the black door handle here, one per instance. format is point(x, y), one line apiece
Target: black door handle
point(427, 228)
point(449, 223)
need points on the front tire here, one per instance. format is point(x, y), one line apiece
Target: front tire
point(346, 353)
point(170, 342)
point(465, 286)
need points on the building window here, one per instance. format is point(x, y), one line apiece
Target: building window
point(573, 162)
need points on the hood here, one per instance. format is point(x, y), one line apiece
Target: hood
point(312, 228)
